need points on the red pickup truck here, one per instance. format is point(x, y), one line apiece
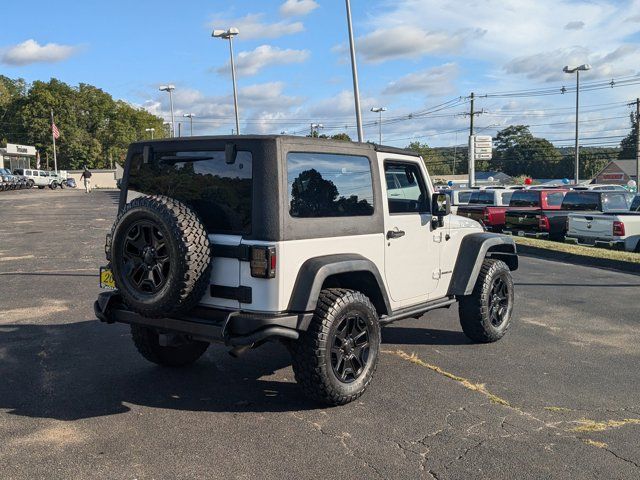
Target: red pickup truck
point(493, 216)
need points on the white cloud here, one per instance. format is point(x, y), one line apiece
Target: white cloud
point(251, 62)
point(575, 25)
point(269, 96)
point(410, 42)
point(31, 51)
point(292, 8)
point(547, 66)
point(433, 81)
point(252, 27)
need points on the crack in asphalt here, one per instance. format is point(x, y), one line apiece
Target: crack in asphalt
point(584, 424)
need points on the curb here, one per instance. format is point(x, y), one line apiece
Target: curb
point(619, 265)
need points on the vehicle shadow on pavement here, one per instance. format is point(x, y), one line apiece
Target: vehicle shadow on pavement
point(423, 336)
point(87, 369)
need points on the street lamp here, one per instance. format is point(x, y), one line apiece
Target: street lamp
point(316, 127)
point(150, 130)
point(170, 89)
point(190, 117)
point(577, 70)
point(228, 35)
point(379, 110)
point(354, 71)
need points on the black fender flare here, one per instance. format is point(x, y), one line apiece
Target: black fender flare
point(315, 271)
point(474, 249)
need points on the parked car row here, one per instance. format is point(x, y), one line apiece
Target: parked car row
point(27, 178)
point(601, 215)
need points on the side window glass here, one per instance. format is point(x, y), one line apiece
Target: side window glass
point(411, 196)
point(329, 185)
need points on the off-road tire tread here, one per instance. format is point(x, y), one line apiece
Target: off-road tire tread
point(146, 342)
point(195, 255)
point(308, 355)
point(473, 308)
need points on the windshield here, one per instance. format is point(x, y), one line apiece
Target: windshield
point(635, 205)
point(482, 197)
point(581, 201)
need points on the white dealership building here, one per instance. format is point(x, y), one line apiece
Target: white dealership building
point(17, 156)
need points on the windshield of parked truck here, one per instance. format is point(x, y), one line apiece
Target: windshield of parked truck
point(581, 201)
point(481, 197)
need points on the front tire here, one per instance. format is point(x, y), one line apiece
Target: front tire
point(485, 315)
point(147, 342)
point(335, 359)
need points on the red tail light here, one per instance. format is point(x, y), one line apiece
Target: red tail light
point(618, 229)
point(543, 223)
point(263, 262)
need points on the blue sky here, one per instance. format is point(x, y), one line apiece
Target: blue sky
point(293, 63)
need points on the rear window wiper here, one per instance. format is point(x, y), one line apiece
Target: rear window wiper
point(177, 159)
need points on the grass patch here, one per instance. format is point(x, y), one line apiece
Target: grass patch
point(558, 409)
point(586, 425)
point(593, 443)
point(580, 250)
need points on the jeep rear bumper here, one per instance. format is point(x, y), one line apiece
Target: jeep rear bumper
point(233, 328)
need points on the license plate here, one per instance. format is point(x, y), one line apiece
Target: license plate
point(106, 279)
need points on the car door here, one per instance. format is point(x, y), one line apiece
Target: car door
point(412, 249)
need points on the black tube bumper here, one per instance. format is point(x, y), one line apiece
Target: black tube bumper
point(233, 328)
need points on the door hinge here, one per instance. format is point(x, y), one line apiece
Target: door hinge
point(437, 274)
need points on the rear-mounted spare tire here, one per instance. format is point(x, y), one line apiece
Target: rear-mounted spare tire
point(160, 256)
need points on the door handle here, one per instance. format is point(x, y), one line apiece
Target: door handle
point(394, 234)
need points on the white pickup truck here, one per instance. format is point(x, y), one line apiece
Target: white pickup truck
point(617, 230)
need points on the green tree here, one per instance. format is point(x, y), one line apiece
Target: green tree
point(629, 143)
point(95, 129)
point(435, 162)
point(518, 152)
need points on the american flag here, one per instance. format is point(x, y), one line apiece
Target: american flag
point(56, 132)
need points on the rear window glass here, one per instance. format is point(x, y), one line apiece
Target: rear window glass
point(481, 197)
point(555, 199)
point(614, 201)
point(581, 201)
point(219, 193)
point(525, 198)
point(506, 197)
point(328, 185)
point(635, 205)
point(464, 197)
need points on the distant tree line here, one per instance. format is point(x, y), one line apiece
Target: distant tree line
point(518, 153)
point(95, 129)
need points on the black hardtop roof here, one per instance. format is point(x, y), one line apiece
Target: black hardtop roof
point(283, 138)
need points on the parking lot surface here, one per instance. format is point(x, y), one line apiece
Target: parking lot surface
point(558, 397)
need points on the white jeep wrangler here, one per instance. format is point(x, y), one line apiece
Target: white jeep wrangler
point(242, 240)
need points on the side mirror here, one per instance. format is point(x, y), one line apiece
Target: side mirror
point(440, 208)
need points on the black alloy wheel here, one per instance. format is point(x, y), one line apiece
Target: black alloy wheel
point(146, 258)
point(498, 301)
point(350, 347)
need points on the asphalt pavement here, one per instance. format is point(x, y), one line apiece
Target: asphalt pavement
point(558, 397)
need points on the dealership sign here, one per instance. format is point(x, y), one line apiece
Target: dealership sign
point(24, 150)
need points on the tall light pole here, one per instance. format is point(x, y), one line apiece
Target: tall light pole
point(379, 111)
point(228, 35)
point(354, 71)
point(170, 89)
point(150, 130)
point(577, 70)
point(190, 117)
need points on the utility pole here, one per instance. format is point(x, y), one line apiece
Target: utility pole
point(637, 144)
point(472, 157)
point(637, 104)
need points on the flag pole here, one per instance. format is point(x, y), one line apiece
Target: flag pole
point(53, 135)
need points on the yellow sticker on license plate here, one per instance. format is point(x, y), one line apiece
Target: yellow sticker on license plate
point(106, 279)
